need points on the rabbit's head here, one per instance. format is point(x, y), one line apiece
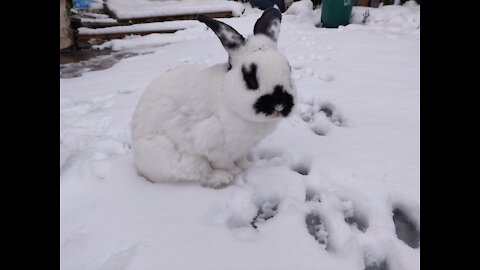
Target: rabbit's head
point(258, 84)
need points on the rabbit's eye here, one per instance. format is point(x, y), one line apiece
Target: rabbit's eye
point(259, 49)
point(250, 76)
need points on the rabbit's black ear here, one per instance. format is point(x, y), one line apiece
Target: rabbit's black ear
point(230, 38)
point(269, 23)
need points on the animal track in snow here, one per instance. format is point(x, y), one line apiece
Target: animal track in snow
point(312, 196)
point(377, 266)
point(317, 229)
point(357, 223)
point(320, 116)
point(266, 211)
point(332, 113)
point(352, 217)
point(302, 168)
point(323, 210)
point(406, 229)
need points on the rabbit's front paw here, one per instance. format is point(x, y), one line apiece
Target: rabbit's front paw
point(235, 170)
point(218, 179)
point(243, 163)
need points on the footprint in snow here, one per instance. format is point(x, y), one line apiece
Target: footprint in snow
point(320, 116)
point(266, 210)
point(382, 265)
point(312, 196)
point(405, 228)
point(302, 168)
point(317, 229)
point(353, 218)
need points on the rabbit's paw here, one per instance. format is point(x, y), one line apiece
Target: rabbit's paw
point(243, 163)
point(218, 179)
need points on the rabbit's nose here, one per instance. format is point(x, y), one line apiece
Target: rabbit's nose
point(279, 108)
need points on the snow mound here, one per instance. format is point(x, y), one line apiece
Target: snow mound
point(406, 16)
point(300, 8)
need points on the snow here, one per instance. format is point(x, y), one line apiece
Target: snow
point(99, 20)
point(129, 9)
point(406, 17)
point(152, 40)
point(326, 185)
point(302, 8)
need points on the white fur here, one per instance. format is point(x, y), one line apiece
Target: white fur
point(197, 124)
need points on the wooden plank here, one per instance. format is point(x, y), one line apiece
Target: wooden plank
point(375, 3)
point(85, 37)
point(363, 3)
point(226, 14)
point(101, 24)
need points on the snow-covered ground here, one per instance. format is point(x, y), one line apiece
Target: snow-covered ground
point(336, 186)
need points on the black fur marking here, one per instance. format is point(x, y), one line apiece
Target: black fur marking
point(229, 66)
point(250, 76)
point(266, 24)
point(266, 104)
point(229, 37)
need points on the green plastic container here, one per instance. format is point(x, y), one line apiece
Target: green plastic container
point(336, 12)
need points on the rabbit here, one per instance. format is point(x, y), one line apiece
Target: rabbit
point(197, 123)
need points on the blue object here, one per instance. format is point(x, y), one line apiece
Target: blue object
point(264, 4)
point(82, 4)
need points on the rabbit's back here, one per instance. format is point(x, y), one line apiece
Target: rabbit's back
point(178, 99)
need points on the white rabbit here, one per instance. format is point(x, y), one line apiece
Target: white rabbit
point(197, 124)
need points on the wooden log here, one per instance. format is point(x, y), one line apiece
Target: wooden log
point(94, 25)
point(85, 37)
point(363, 3)
point(226, 14)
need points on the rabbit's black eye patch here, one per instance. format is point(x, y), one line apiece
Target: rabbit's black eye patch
point(250, 77)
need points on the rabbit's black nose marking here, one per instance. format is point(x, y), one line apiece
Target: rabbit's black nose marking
point(270, 103)
point(250, 76)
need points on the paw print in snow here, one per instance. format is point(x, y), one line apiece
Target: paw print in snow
point(317, 229)
point(320, 116)
point(353, 218)
point(267, 210)
point(405, 228)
